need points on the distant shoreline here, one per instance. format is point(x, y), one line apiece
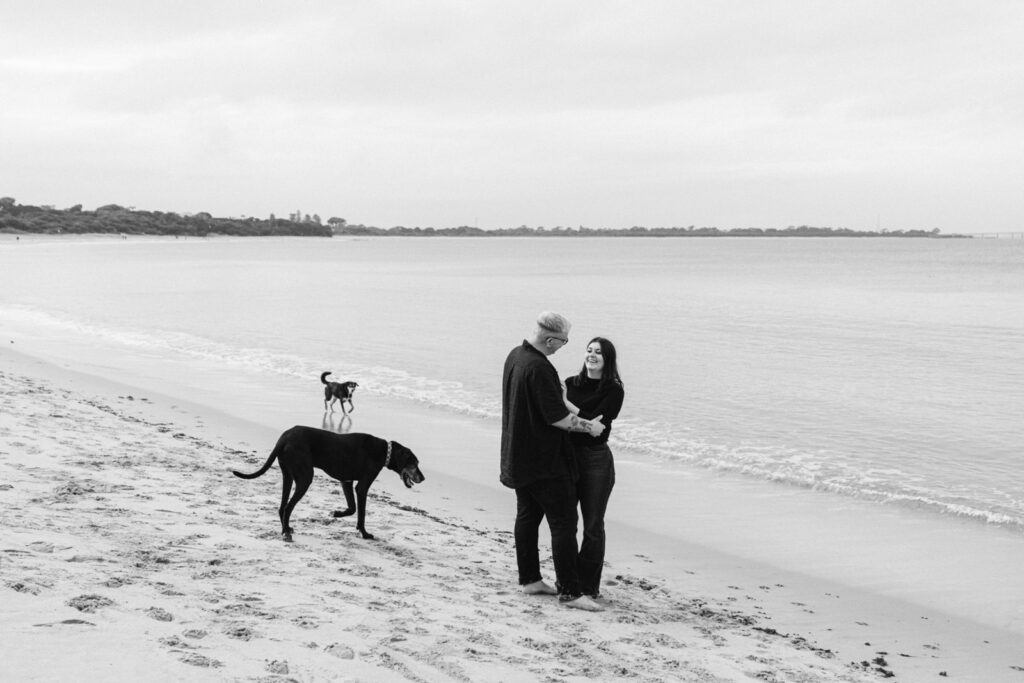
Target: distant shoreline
point(656, 233)
point(119, 220)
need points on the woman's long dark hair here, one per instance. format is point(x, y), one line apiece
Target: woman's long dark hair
point(610, 373)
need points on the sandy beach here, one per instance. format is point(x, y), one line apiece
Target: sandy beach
point(129, 552)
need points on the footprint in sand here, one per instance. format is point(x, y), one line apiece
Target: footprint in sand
point(71, 622)
point(196, 659)
point(89, 603)
point(174, 642)
point(40, 547)
point(22, 587)
point(240, 632)
point(306, 622)
point(159, 614)
point(277, 667)
point(340, 651)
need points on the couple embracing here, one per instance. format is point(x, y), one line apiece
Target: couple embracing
point(555, 455)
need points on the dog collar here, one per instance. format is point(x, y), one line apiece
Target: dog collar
point(387, 458)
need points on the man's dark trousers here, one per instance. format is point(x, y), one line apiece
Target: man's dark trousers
point(556, 500)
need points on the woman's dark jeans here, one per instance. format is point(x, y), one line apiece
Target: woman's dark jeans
point(554, 499)
point(593, 489)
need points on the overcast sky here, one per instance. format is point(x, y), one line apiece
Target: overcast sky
point(767, 113)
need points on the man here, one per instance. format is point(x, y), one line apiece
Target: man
point(536, 460)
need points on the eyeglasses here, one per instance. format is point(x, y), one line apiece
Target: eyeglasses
point(564, 341)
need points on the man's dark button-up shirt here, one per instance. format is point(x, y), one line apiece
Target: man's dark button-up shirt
point(531, 401)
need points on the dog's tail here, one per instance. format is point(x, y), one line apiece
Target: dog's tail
point(323, 376)
point(266, 466)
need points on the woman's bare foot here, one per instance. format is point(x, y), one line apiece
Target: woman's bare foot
point(584, 603)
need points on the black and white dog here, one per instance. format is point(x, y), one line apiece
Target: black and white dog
point(338, 391)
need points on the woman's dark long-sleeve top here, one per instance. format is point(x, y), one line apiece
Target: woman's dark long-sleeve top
point(592, 399)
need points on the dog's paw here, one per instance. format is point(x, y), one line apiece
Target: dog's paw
point(342, 513)
point(368, 536)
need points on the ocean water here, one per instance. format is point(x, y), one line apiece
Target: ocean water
point(883, 370)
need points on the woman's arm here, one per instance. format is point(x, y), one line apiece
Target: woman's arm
point(609, 405)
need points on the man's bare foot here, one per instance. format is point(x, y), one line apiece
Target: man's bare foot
point(539, 588)
point(584, 603)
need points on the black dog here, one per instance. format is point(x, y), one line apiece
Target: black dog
point(338, 391)
point(346, 457)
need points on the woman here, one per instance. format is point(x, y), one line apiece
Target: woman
point(595, 392)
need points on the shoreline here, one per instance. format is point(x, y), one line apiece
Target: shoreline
point(848, 623)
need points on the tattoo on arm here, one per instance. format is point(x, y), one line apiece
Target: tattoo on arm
point(578, 424)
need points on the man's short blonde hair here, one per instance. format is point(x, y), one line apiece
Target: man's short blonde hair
point(554, 323)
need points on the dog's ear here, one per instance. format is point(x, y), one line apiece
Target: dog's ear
point(402, 456)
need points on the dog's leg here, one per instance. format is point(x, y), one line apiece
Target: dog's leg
point(362, 488)
point(350, 500)
point(295, 466)
point(302, 482)
point(286, 482)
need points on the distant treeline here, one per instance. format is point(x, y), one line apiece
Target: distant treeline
point(113, 218)
point(636, 231)
point(118, 219)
